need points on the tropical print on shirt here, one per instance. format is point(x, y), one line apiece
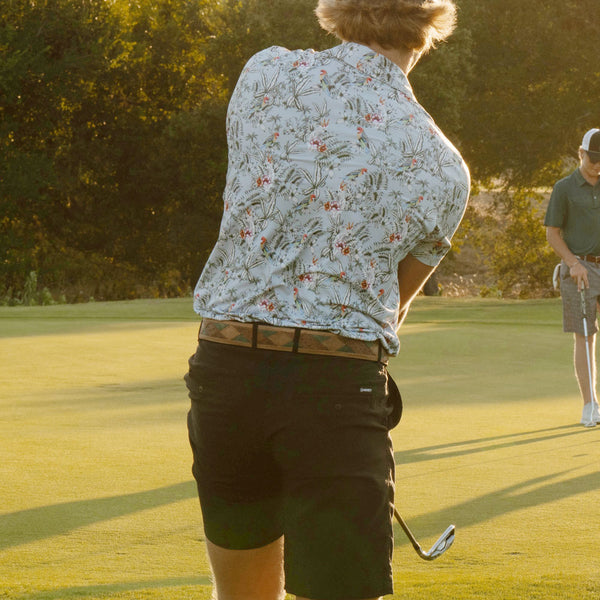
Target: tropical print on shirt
point(335, 174)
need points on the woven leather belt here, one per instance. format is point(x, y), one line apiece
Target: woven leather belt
point(289, 339)
point(590, 258)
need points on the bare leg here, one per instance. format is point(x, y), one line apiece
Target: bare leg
point(581, 367)
point(247, 574)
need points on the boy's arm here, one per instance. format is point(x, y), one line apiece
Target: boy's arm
point(412, 274)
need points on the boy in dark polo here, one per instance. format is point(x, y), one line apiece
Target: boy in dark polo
point(573, 230)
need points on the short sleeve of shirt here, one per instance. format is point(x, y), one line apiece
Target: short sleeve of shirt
point(444, 215)
point(432, 249)
point(557, 207)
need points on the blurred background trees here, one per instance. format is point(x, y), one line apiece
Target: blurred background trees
point(112, 130)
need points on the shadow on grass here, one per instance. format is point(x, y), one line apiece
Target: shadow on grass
point(463, 448)
point(34, 524)
point(505, 501)
point(112, 395)
point(106, 591)
point(534, 492)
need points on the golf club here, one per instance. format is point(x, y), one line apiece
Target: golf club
point(587, 352)
point(442, 544)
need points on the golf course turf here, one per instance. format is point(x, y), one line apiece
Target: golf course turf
point(97, 498)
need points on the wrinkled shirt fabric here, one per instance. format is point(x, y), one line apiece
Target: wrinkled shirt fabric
point(335, 174)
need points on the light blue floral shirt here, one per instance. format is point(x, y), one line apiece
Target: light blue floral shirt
point(335, 174)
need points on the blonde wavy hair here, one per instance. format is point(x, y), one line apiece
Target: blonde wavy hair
point(393, 24)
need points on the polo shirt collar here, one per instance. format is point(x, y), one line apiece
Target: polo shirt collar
point(579, 178)
point(374, 65)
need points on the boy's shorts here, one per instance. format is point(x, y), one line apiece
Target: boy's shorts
point(297, 445)
point(571, 299)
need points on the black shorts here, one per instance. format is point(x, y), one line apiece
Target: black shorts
point(297, 445)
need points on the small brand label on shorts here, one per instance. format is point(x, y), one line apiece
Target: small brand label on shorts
point(366, 390)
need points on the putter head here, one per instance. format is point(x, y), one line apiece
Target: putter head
point(442, 544)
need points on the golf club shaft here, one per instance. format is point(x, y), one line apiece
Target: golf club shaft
point(409, 534)
point(587, 347)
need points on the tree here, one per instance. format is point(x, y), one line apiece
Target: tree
point(533, 92)
point(44, 49)
point(441, 82)
point(93, 100)
point(535, 86)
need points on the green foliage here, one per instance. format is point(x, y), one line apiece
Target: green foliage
point(31, 294)
point(30, 289)
point(535, 86)
point(112, 124)
point(440, 82)
point(529, 91)
point(513, 240)
point(103, 177)
point(241, 28)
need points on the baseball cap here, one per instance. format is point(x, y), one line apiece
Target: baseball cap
point(591, 144)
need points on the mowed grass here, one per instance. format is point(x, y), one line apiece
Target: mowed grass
point(97, 499)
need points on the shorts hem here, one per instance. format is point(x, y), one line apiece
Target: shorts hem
point(242, 546)
point(298, 591)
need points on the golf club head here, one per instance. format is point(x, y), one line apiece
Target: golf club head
point(442, 544)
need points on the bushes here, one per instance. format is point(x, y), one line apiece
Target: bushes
point(505, 229)
point(30, 295)
point(522, 260)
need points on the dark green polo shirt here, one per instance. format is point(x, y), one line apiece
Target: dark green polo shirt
point(575, 208)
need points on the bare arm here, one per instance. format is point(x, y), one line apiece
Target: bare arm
point(576, 270)
point(412, 274)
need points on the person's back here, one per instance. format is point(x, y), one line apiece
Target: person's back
point(335, 174)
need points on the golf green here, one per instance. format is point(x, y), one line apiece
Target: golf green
point(97, 499)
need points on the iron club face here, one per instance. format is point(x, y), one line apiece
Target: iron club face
point(441, 545)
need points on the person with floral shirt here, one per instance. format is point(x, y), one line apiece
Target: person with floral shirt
point(341, 198)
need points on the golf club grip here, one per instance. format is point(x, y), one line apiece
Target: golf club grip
point(583, 304)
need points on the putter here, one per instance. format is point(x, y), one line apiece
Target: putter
point(442, 544)
point(587, 352)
